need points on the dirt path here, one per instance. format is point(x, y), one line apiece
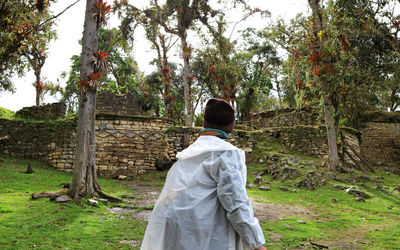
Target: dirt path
point(145, 196)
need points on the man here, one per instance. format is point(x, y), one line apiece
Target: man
point(204, 204)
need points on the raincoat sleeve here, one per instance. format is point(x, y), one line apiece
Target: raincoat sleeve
point(230, 175)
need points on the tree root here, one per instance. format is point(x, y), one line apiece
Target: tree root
point(51, 195)
point(107, 197)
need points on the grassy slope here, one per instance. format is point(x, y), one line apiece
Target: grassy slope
point(374, 224)
point(5, 113)
point(26, 223)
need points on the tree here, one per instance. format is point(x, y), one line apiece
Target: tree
point(34, 51)
point(123, 76)
point(19, 21)
point(316, 57)
point(93, 64)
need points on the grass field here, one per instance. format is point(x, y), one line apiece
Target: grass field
point(302, 216)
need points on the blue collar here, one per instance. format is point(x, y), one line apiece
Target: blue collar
point(222, 134)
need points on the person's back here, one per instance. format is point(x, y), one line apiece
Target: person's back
point(203, 204)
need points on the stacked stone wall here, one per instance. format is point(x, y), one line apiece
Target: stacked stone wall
point(287, 118)
point(381, 142)
point(49, 111)
point(117, 104)
point(125, 145)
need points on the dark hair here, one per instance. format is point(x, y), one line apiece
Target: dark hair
point(219, 114)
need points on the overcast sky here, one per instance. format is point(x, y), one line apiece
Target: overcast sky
point(69, 29)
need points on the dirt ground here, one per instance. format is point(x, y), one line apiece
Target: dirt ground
point(147, 196)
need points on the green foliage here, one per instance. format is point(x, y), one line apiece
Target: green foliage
point(123, 76)
point(21, 25)
point(198, 119)
point(7, 114)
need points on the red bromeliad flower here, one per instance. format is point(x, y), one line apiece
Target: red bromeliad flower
point(192, 78)
point(102, 9)
point(212, 68)
point(299, 83)
point(102, 54)
point(166, 70)
point(94, 76)
point(316, 71)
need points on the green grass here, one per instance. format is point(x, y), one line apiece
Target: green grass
point(27, 223)
point(5, 113)
point(374, 224)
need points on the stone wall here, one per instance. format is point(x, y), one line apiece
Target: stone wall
point(287, 118)
point(117, 104)
point(127, 145)
point(34, 139)
point(48, 111)
point(304, 131)
point(381, 142)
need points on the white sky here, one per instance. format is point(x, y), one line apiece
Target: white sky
point(69, 29)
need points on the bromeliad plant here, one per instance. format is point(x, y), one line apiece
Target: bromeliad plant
point(102, 9)
point(99, 58)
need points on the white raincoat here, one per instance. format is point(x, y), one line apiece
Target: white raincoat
point(204, 204)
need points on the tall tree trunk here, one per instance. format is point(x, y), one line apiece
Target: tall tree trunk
point(84, 181)
point(329, 122)
point(38, 86)
point(187, 82)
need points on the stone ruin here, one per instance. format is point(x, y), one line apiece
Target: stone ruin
point(130, 144)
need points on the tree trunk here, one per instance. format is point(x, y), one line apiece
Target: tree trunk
point(84, 181)
point(329, 122)
point(38, 86)
point(331, 133)
point(187, 82)
point(187, 90)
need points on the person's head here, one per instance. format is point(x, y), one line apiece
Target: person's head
point(219, 114)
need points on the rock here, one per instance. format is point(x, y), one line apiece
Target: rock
point(283, 189)
point(284, 162)
point(258, 180)
point(331, 176)
point(63, 198)
point(122, 177)
point(358, 193)
point(251, 186)
point(274, 171)
point(261, 161)
point(29, 169)
point(301, 222)
point(294, 190)
point(283, 151)
point(263, 188)
point(93, 202)
point(312, 180)
point(275, 158)
point(360, 199)
point(364, 178)
point(378, 179)
point(163, 163)
point(292, 160)
point(333, 200)
point(290, 172)
point(339, 187)
point(397, 188)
